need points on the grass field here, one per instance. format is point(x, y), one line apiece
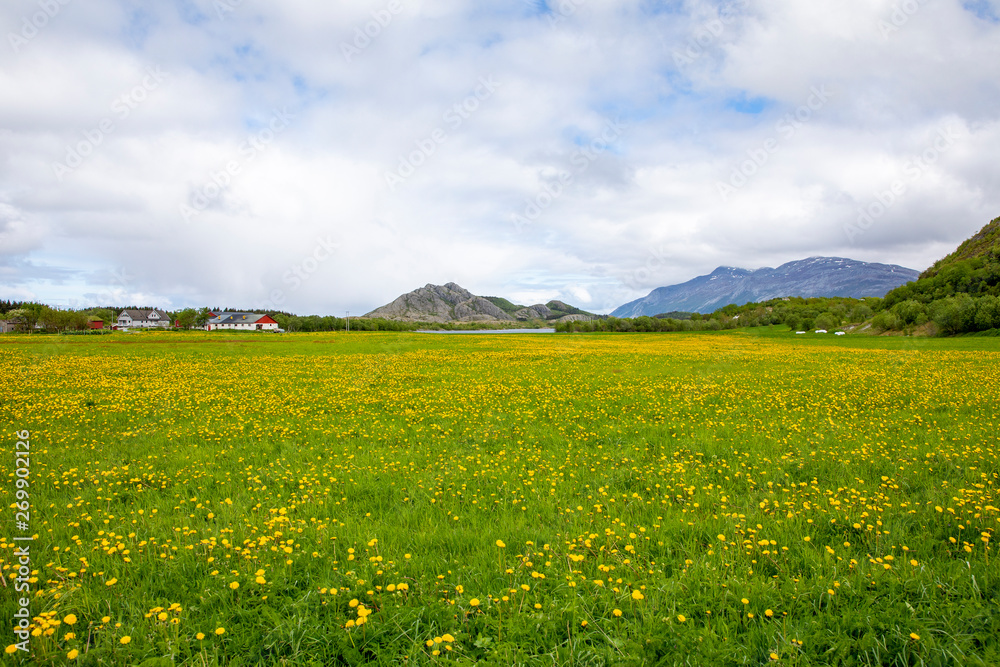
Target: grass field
point(707, 499)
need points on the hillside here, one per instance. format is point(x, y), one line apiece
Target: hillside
point(960, 293)
point(813, 277)
point(984, 244)
point(453, 303)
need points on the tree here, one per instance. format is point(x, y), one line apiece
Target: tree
point(186, 318)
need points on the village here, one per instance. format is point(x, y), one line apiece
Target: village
point(26, 319)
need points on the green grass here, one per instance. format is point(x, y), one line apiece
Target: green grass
point(599, 457)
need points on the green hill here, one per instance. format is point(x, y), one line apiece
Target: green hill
point(960, 293)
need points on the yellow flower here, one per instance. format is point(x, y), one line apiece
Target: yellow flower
point(106, 619)
point(617, 612)
point(474, 602)
point(220, 631)
point(162, 616)
point(501, 544)
point(70, 619)
point(722, 538)
point(774, 656)
point(745, 601)
point(769, 613)
point(111, 582)
point(234, 585)
point(583, 624)
point(72, 654)
point(125, 640)
point(447, 637)
point(200, 636)
point(11, 649)
point(636, 595)
point(914, 636)
point(681, 618)
point(261, 580)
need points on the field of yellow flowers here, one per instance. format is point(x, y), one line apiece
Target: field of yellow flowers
point(323, 499)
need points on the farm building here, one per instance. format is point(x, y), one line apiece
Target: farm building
point(143, 319)
point(242, 322)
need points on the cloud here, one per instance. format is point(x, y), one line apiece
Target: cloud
point(173, 105)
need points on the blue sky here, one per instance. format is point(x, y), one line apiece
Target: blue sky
point(324, 158)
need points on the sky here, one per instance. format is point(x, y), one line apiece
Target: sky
point(320, 158)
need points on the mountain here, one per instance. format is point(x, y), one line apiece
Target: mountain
point(441, 303)
point(960, 293)
point(813, 277)
point(985, 245)
point(453, 303)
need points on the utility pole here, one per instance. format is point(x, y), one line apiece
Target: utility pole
point(348, 321)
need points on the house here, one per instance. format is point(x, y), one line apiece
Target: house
point(8, 326)
point(242, 322)
point(95, 324)
point(143, 319)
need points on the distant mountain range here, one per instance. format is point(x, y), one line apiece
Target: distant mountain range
point(813, 277)
point(453, 303)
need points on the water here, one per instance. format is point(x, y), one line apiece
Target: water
point(492, 331)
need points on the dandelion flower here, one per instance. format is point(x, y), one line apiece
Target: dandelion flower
point(914, 636)
point(70, 619)
point(234, 585)
point(72, 654)
point(125, 640)
point(681, 618)
point(474, 602)
point(501, 544)
point(220, 631)
point(617, 612)
point(200, 636)
point(637, 595)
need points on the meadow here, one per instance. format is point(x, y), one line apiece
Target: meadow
point(731, 498)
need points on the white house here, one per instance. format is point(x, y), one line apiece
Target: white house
point(241, 322)
point(143, 319)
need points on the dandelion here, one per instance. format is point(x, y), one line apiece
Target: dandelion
point(72, 654)
point(220, 631)
point(501, 544)
point(11, 649)
point(681, 618)
point(774, 656)
point(234, 585)
point(637, 595)
point(914, 636)
point(111, 582)
point(69, 619)
point(474, 602)
point(617, 613)
point(745, 601)
point(769, 613)
point(200, 636)
point(125, 640)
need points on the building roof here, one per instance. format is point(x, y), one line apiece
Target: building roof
point(238, 318)
point(143, 315)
